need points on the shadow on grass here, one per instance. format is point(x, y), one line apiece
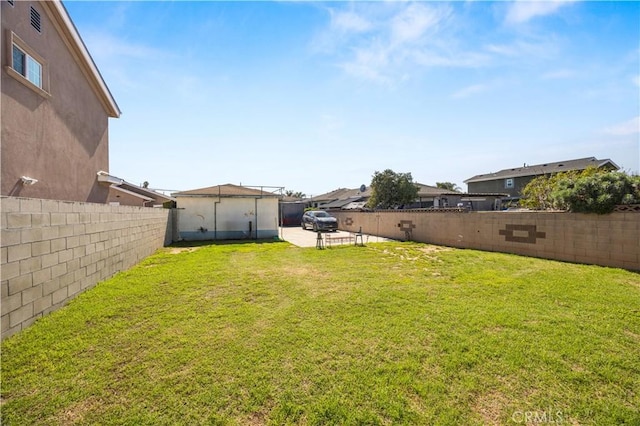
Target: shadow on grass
point(204, 243)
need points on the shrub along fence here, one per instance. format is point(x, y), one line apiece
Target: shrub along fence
point(53, 250)
point(607, 240)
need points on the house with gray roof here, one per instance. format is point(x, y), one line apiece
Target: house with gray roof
point(428, 197)
point(512, 181)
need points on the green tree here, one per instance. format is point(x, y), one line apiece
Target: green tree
point(450, 186)
point(392, 190)
point(294, 194)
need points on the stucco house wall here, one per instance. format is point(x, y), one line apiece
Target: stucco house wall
point(57, 135)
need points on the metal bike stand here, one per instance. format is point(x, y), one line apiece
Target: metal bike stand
point(359, 235)
point(319, 241)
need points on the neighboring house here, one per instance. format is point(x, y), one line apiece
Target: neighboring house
point(339, 197)
point(429, 197)
point(432, 196)
point(512, 181)
point(347, 199)
point(55, 107)
point(125, 193)
point(227, 212)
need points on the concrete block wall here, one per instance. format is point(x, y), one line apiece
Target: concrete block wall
point(53, 250)
point(606, 240)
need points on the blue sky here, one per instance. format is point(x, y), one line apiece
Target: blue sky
point(314, 96)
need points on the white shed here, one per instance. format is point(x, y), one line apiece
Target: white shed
point(227, 212)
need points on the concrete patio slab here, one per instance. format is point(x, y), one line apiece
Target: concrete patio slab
point(307, 238)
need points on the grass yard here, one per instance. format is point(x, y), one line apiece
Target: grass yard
point(392, 333)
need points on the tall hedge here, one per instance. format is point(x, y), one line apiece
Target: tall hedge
point(589, 191)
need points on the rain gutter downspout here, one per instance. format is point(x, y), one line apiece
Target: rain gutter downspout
point(256, 210)
point(215, 215)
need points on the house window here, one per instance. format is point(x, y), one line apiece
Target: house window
point(508, 183)
point(26, 66)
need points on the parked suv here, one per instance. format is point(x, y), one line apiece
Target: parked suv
point(319, 221)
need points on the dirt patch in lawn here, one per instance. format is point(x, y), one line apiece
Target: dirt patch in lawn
point(434, 249)
point(178, 250)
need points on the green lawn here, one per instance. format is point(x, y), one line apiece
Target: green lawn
point(392, 333)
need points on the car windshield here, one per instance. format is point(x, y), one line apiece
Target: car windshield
point(321, 214)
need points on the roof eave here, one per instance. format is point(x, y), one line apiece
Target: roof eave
point(133, 194)
point(267, 195)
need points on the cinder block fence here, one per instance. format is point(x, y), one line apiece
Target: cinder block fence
point(607, 240)
point(53, 250)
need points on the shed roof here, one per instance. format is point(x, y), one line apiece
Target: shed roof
point(337, 204)
point(546, 168)
point(341, 194)
point(226, 190)
point(431, 191)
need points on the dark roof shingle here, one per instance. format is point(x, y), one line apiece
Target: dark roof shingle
point(546, 168)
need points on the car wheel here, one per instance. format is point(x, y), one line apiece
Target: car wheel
point(303, 226)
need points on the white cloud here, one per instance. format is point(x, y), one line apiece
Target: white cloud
point(112, 54)
point(386, 42)
point(558, 74)
point(636, 80)
point(412, 22)
point(445, 59)
point(369, 63)
point(533, 49)
point(107, 47)
point(470, 91)
point(630, 127)
point(523, 11)
point(383, 42)
point(349, 21)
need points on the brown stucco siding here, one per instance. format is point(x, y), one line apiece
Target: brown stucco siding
point(61, 140)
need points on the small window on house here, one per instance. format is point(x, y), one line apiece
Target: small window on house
point(26, 66)
point(508, 183)
point(35, 20)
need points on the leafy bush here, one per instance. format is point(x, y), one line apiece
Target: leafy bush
point(538, 194)
point(589, 191)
